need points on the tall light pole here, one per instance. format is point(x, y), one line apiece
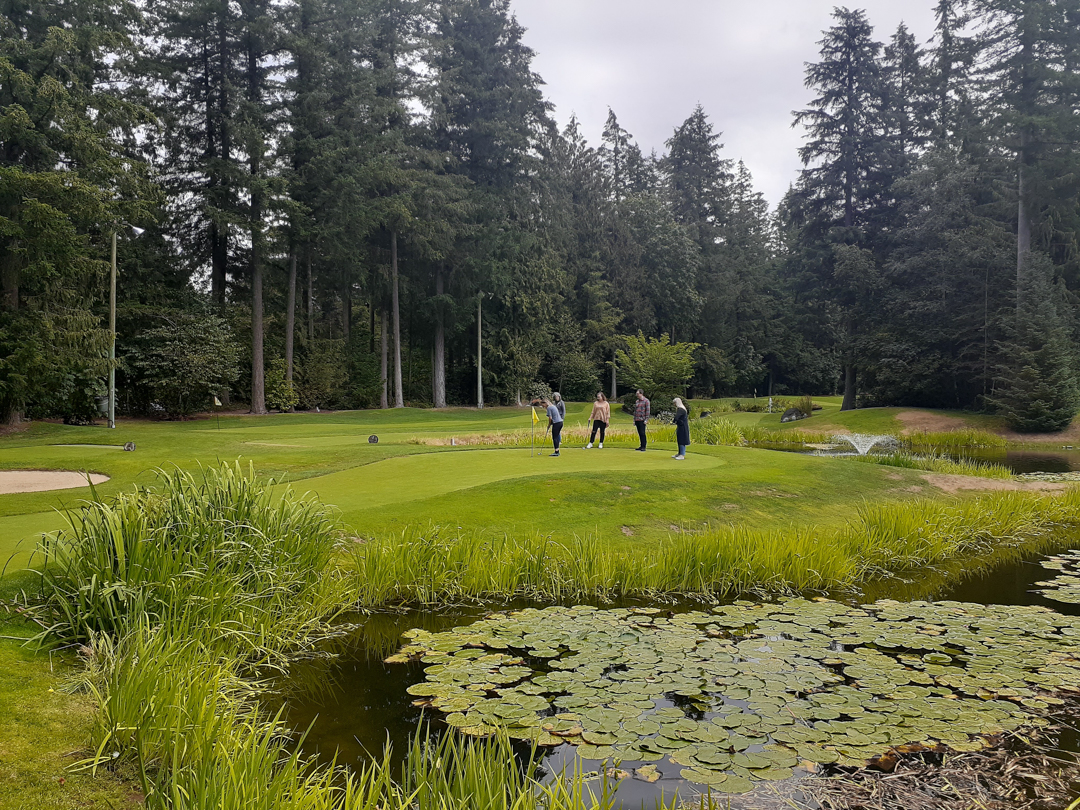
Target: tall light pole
point(112, 328)
point(479, 350)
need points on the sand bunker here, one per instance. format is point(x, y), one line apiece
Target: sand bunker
point(12, 481)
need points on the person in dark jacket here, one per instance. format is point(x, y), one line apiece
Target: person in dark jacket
point(682, 429)
point(642, 412)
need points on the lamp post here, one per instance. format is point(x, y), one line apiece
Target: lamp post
point(479, 350)
point(112, 328)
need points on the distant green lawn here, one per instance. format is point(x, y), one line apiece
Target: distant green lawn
point(624, 496)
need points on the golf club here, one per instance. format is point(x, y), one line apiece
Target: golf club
point(540, 452)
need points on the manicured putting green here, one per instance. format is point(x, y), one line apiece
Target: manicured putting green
point(412, 478)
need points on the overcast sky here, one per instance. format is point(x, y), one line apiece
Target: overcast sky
point(652, 61)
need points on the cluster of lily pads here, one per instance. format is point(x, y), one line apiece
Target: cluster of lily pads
point(749, 691)
point(1065, 587)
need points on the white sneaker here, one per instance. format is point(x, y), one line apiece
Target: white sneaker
point(601, 445)
point(680, 458)
point(590, 445)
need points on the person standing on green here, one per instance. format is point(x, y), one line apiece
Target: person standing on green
point(557, 397)
point(600, 417)
point(555, 422)
point(642, 412)
point(682, 429)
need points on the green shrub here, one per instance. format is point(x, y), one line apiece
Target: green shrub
point(280, 392)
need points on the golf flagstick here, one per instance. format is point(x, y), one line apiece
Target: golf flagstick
point(535, 419)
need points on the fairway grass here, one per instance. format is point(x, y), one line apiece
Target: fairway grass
point(620, 496)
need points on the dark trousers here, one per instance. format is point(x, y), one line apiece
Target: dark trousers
point(598, 425)
point(556, 435)
point(641, 433)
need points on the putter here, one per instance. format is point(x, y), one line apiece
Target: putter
point(540, 452)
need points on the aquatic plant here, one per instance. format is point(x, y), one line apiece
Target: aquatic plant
point(938, 464)
point(716, 430)
point(193, 552)
point(748, 691)
point(951, 441)
point(1065, 587)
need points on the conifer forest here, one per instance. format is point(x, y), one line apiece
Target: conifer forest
point(363, 203)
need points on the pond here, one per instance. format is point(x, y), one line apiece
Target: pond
point(692, 698)
point(1019, 461)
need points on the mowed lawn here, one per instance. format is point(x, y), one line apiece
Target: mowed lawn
point(623, 496)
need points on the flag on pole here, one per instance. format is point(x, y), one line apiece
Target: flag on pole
point(535, 417)
point(217, 402)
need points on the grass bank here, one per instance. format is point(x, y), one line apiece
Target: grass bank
point(436, 566)
point(183, 594)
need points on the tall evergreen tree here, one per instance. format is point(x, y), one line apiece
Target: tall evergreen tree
point(842, 187)
point(69, 176)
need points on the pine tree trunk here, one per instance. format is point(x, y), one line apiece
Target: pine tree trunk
point(399, 394)
point(220, 236)
point(310, 299)
point(9, 302)
point(219, 255)
point(384, 402)
point(439, 382)
point(849, 387)
point(346, 312)
point(1023, 217)
point(258, 371)
point(290, 317)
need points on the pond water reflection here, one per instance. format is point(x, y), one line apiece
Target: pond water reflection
point(352, 703)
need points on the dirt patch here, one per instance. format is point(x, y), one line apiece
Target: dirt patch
point(13, 481)
point(968, 483)
point(1071, 435)
point(627, 531)
point(919, 421)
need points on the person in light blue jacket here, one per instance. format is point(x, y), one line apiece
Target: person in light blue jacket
point(555, 422)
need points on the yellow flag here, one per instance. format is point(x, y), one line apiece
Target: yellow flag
point(535, 417)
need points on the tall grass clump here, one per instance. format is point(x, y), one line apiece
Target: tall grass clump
point(903, 536)
point(426, 567)
point(938, 464)
point(951, 441)
point(757, 434)
point(221, 549)
point(716, 430)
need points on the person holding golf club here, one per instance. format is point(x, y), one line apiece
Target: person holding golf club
point(600, 417)
point(642, 412)
point(555, 423)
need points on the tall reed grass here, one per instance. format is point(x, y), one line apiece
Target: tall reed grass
point(951, 441)
point(430, 566)
point(938, 464)
point(222, 550)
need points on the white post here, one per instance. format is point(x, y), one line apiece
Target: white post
point(479, 350)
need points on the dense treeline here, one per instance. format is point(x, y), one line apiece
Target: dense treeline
point(342, 196)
